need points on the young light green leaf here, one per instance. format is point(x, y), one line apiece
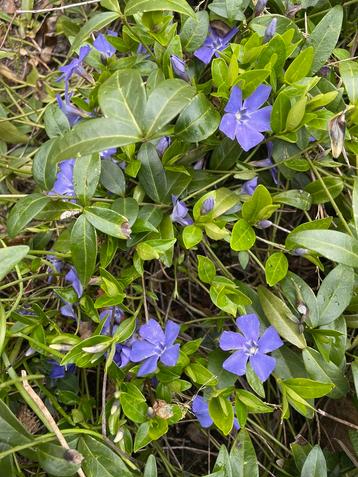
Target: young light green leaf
point(280, 316)
point(276, 268)
point(206, 269)
point(222, 413)
point(24, 211)
point(84, 248)
point(307, 388)
point(243, 236)
point(86, 174)
point(10, 257)
point(300, 66)
point(192, 235)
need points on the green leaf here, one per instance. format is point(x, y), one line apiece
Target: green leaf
point(324, 37)
point(280, 110)
point(315, 464)
point(123, 96)
point(91, 136)
point(150, 469)
point(86, 174)
point(108, 221)
point(198, 120)
point(52, 460)
point(243, 236)
point(24, 211)
point(317, 190)
point(280, 316)
point(276, 268)
point(307, 388)
point(128, 207)
point(43, 166)
point(192, 235)
point(349, 73)
point(333, 245)
point(206, 269)
point(136, 410)
point(100, 460)
point(152, 175)
point(12, 431)
point(10, 257)
point(355, 203)
point(95, 23)
point(112, 177)
point(10, 133)
point(165, 102)
point(296, 114)
point(84, 248)
point(335, 293)
point(326, 372)
point(194, 31)
point(295, 198)
point(300, 66)
point(139, 6)
point(230, 9)
point(243, 457)
point(252, 402)
point(55, 121)
point(142, 437)
point(222, 413)
point(200, 375)
point(259, 206)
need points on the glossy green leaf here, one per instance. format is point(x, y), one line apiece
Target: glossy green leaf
point(44, 166)
point(276, 268)
point(295, 198)
point(336, 246)
point(84, 248)
point(139, 6)
point(206, 269)
point(307, 388)
point(150, 469)
point(243, 457)
point(112, 177)
point(280, 316)
point(24, 211)
point(135, 410)
point(222, 413)
point(52, 460)
point(108, 221)
point(86, 174)
point(280, 110)
point(192, 235)
point(194, 31)
point(128, 207)
point(315, 464)
point(252, 402)
point(123, 96)
point(349, 74)
point(318, 191)
point(324, 37)
point(165, 102)
point(232, 10)
point(152, 175)
point(198, 120)
point(10, 257)
point(243, 236)
point(97, 22)
point(300, 66)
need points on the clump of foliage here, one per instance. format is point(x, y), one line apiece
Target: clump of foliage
point(178, 260)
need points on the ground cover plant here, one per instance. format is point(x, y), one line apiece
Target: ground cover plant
point(179, 238)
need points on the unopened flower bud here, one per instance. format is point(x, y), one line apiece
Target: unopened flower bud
point(298, 252)
point(179, 68)
point(71, 455)
point(96, 348)
point(115, 407)
point(270, 30)
point(150, 412)
point(207, 205)
point(61, 347)
point(260, 6)
point(119, 436)
point(126, 230)
point(264, 224)
point(337, 129)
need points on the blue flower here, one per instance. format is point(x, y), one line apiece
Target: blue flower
point(213, 44)
point(73, 279)
point(58, 372)
point(200, 409)
point(104, 46)
point(207, 205)
point(180, 212)
point(74, 67)
point(270, 30)
point(162, 145)
point(72, 113)
point(250, 347)
point(155, 345)
point(113, 316)
point(179, 68)
point(244, 120)
point(64, 179)
point(249, 187)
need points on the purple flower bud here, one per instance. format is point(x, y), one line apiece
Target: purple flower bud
point(179, 68)
point(163, 145)
point(180, 212)
point(299, 252)
point(199, 164)
point(270, 30)
point(264, 224)
point(260, 6)
point(126, 229)
point(207, 205)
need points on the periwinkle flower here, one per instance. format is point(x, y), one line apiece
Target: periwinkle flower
point(249, 346)
point(155, 345)
point(200, 409)
point(260, 7)
point(104, 46)
point(57, 264)
point(68, 310)
point(113, 316)
point(58, 372)
point(264, 224)
point(73, 279)
point(179, 68)
point(244, 120)
point(162, 145)
point(64, 179)
point(270, 30)
point(74, 67)
point(249, 187)
point(299, 252)
point(180, 212)
point(213, 44)
point(207, 206)
point(108, 153)
point(72, 113)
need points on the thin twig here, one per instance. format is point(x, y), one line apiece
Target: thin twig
point(337, 419)
point(44, 10)
point(75, 456)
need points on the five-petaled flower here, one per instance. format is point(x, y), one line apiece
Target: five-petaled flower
point(213, 44)
point(249, 346)
point(180, 212)
point(244, 120)
point(74, 67)
point(155, 345)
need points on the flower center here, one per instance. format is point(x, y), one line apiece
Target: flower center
point(242, 115)
point(251, 348)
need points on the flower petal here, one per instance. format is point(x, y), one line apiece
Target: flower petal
point(235, 101)
point(269, 341)
point(170, 355)
point(260, 119)
point(247, 136)
point(149, 366)
point(230, 340)
point(142, 350)
point(263, 365)
point(152, 332)
point(228, 125)
point(236, 363)
point(249, 325)
point(201, 410)
point(230, 35)
point(204, 54)
point(171, 332)
point(257, 98)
